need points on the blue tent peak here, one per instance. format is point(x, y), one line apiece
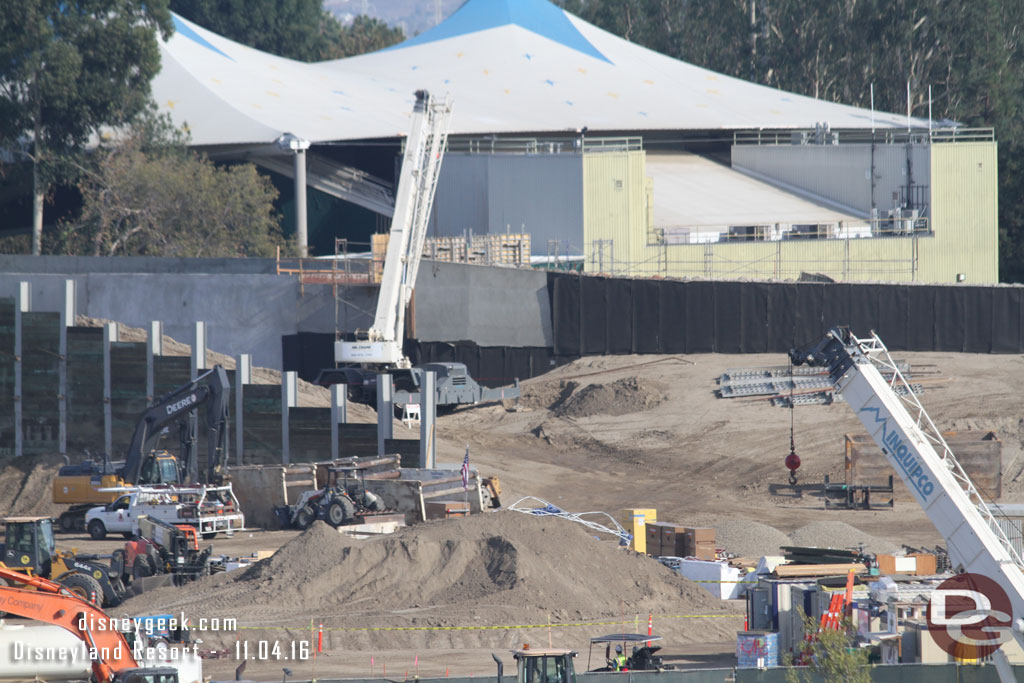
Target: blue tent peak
point(539, 16)
point(187, 31)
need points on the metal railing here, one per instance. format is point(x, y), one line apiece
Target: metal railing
point(811, 136)
point(551, 146)
point(785, 232)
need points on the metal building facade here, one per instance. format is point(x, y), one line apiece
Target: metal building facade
point(859, 176)
point(965, 213)
point(615, 210)
point(540, 194)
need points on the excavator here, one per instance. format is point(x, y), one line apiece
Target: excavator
point(111, 656)
point(29, 552)
point(87, 485)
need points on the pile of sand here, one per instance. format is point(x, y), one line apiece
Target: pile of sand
point(25, 485)
point(495, 569)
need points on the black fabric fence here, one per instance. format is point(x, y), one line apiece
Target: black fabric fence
point(595, 315)
point(307, 353)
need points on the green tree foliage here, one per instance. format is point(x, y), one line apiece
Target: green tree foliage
point(297, 29)
point(830, 657)
point(69, 67)
point(147, 194)
point(970, 53)
point(364, 34)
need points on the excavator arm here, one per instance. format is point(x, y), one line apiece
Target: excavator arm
point(211, 388)
point(54, 604)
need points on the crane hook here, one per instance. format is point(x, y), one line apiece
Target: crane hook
point(792, 460)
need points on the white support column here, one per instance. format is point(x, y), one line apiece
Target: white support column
point(339, 414)
point(154, 348)
point(300, 202)
point(288, 396)
point(296, 146)
point(22, 304)
point(67, 319)
point(109, 337)
point(385, 411)
point(199, 349)
point(428, 420)
point(243, 376)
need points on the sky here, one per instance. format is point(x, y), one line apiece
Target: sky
point(413, 16)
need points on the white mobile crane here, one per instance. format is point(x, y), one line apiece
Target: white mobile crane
point(379, 349)
point(916, 450)
point(424, 150)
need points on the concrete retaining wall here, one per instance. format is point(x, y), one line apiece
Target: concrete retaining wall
point(249, 308)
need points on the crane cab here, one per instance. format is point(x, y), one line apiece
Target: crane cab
point(28, 544)
point(552, 665)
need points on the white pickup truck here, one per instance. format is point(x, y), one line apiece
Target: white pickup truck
point(210, 509)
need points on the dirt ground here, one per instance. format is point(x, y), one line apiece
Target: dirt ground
point(603, 433)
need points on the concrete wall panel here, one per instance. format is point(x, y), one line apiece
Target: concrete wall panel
point(491, 306)
point(541, 194)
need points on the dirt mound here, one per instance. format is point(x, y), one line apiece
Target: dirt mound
point(25, 485)
point(525, 569)
point(839, 535)
point(627, 395)
point(747, 538)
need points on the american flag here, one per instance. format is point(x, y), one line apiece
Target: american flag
point(465, 471)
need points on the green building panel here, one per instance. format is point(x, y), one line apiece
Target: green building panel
point(7, 377)
point(40, 382)
point(85, 390)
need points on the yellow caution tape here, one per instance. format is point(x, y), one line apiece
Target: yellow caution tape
point(486, 628)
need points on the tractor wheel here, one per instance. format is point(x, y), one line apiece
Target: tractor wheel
point(85, 587)
point(340, 511)
point(97, 531)
point(67, 523)
point(117, 559)
point(305, 518)
point(141, 568)
point(209, 535)
point(372, 501)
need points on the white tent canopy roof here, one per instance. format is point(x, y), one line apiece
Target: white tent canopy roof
point(510, 66)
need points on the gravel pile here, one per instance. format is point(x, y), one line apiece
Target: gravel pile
point(839, 535)
point(747, 538)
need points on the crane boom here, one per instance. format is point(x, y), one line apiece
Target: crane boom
point(924, 461)
point(421, 165)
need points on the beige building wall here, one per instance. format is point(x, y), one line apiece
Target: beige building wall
point(965, 213)
point(615, 206)
point(964, 237)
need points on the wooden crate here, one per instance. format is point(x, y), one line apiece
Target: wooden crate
point(446, 509)
point(979, 453)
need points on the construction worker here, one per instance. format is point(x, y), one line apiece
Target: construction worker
point(620, 659)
